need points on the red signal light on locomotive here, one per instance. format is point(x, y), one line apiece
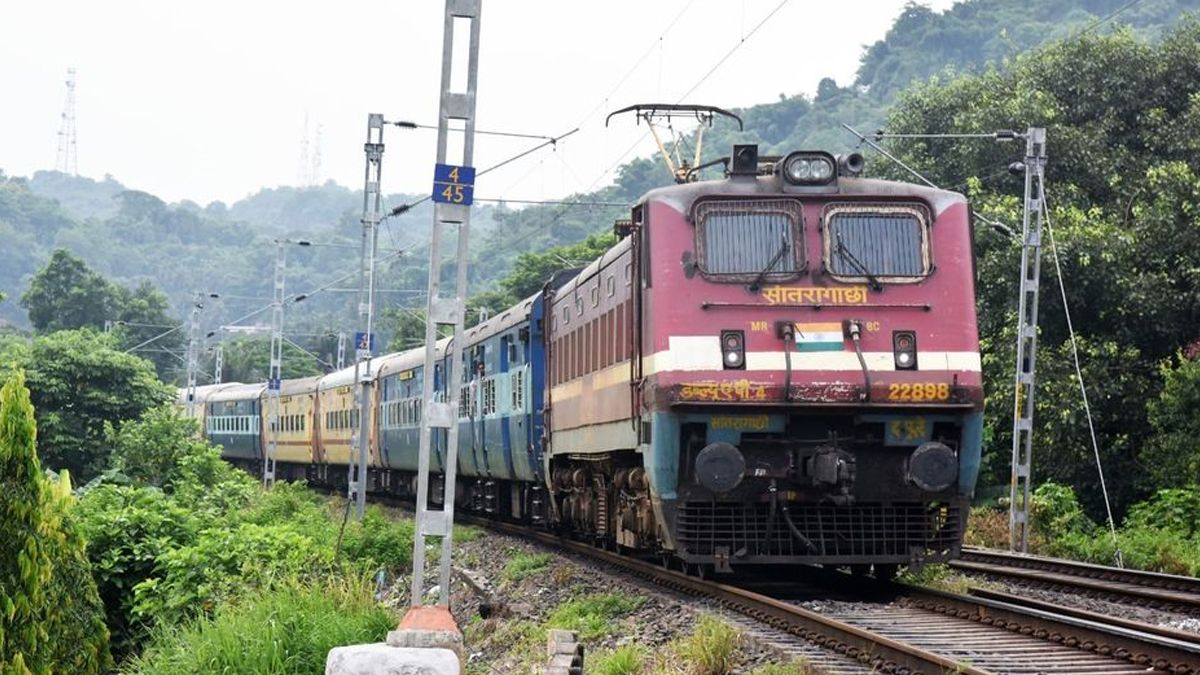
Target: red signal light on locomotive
point(733, 349)
point(904, 346)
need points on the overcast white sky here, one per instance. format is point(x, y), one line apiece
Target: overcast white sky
point(208, 100)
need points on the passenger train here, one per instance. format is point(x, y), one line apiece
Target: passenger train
point(780, 366)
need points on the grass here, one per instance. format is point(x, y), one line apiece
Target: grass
point(522, 565)
point(465, 533)
point(593, 615)
point(624, 660)
point(288, 629)
point(711, 648)
point(938, 576)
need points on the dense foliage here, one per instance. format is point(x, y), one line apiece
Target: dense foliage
point(50, 615)
point(175, 534)
point(1123, 198)
point(80, 382)
point(1161, 534)
point(284, 630)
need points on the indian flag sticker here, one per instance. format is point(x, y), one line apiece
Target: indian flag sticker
point(819, 337)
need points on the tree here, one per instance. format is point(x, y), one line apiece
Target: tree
point(25, 563)
point(1123, 200)
point(143, 315)
point(67, 294)
point(50, 613)
point(80, 381)
point(248, 359)
point(150, 450)
point(1173, 458)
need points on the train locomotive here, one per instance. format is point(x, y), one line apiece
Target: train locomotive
point(777, 367)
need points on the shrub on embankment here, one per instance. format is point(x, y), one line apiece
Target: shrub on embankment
point(185, 548)
point(1161, 534)
point(286, 629)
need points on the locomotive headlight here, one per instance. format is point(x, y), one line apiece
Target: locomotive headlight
point(733, 349)
point(808, 168)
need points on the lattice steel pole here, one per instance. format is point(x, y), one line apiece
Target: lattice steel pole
point(452, 197)
point(193, 353)
point(275, 378)
point(1026, 356)
point(218, 363)
point(341, 350)
point(372, 208)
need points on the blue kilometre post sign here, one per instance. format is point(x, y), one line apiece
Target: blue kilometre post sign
point(454, 184)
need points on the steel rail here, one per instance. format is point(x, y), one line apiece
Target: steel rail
point(1161, 590)
point(1097, 636)
point(879, 652)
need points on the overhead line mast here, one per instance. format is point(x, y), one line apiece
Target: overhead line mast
point(1026, 356)
point(453, 188)
point(372, 208)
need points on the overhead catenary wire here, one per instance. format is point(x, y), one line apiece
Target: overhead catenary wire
point(1112, 15)
point(995, 224)
point(698, 83)
point(1087, 408)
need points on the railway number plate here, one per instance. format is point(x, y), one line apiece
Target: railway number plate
point(915, 392)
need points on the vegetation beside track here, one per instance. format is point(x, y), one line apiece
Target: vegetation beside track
point(186, 558)
point(1161, 534)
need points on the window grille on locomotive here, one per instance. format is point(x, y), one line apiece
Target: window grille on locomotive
point(887, 242)
point(736, 240)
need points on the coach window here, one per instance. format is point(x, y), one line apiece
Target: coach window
point(877, 243)
point(596, 295)
point(612, 285)
point(750, 241)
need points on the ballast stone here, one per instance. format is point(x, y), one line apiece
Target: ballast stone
point(381, 658)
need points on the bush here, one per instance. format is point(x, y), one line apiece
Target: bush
point(149, 450)
point(224, 562)
point(285, 630)
point(1055, 511)
point(128, 529)
point(75, 616)
point(1160, 535)
point(379, 541)
point(1174, 510)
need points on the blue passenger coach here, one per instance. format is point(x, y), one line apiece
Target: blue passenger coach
point(233, 420)
point(499, 434)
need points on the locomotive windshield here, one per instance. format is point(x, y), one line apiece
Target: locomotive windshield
point(877, 243)
point(749, 240)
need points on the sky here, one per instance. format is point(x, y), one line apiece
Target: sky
point(212, 100)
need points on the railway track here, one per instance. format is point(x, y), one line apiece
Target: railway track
point(918, 630)
point(1162, 591)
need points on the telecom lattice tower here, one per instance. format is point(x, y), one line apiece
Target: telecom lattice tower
point(68, 158)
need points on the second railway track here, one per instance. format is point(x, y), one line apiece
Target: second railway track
point(1162, 591)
